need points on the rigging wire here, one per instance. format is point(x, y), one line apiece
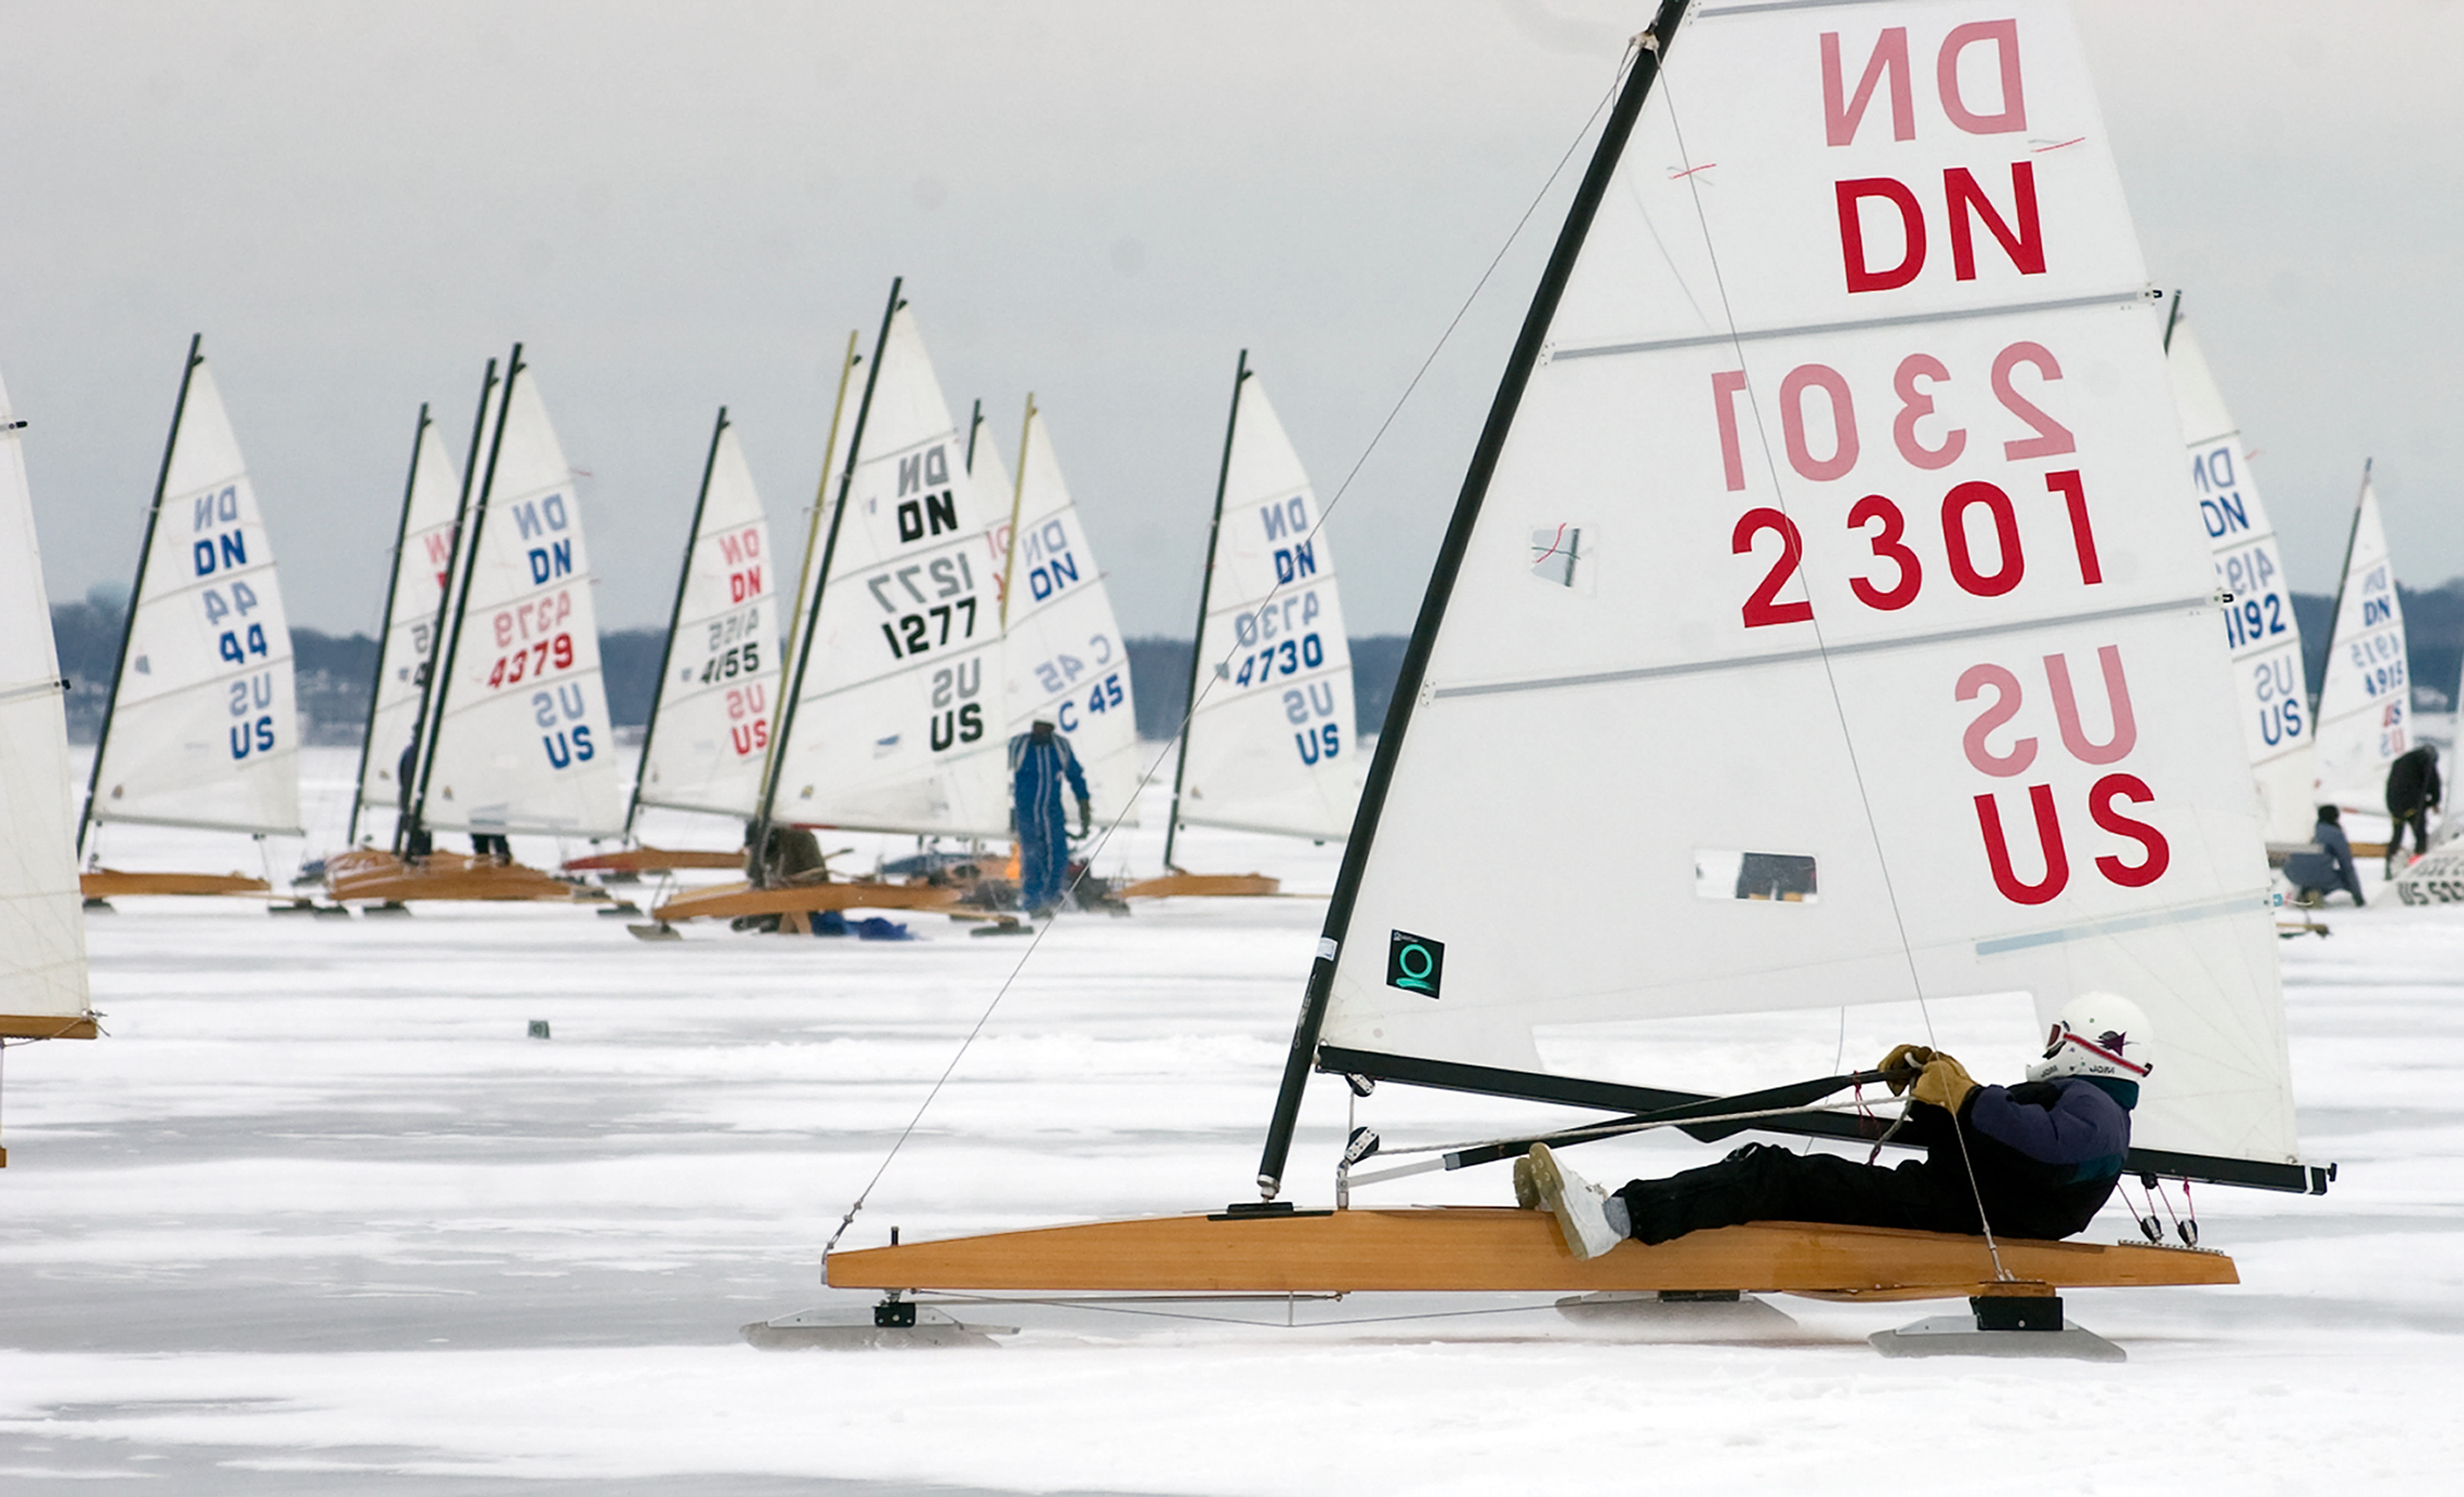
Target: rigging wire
point(1822, 653)
point(1189, 710)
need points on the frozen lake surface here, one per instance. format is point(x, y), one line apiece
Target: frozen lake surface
point(317, 1216)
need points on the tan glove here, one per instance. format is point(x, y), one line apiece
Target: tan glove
point(1945, 1082)
point(1904, 1057)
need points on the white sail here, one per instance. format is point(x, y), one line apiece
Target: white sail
point(1272, 746)
point(2260, 627)
point(523, 739)
point(42, 934)
point(1887, 666)
point(2365, 695)
point(897, 727)
point(421, 570)
point(1066, 663)
point(202, 730)
point(710, 736)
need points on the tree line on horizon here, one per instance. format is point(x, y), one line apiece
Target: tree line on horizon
point(333, 671)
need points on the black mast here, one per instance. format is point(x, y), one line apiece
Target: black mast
point(420, 733)
point(137, 590)
point(384, 627)
point(1442, 580)
point(759, 845)
point(441, 679)
point(668, 652)
point(1205, 593)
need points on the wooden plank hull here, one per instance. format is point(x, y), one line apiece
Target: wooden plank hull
point(728, 901)
point(1495, 1249)
point(1216, 886)
point(46, 1027)
point(110, 882)
point(651, 860)
point(364, 874)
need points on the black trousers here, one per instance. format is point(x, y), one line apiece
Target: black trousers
point(2418, 819)
point(1760, 1182)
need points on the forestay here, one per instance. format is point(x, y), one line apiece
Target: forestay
point(1836, 581)
point(522, 737)
point(898, 726)
point(421, 567)
point(2260, 627)
point(710, 735)
point(203, 731)
point(1272, 746)
point(2365, 697)
point(1064, 658)
point(42, 935)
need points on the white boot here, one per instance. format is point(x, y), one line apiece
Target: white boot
point(1581, 1207)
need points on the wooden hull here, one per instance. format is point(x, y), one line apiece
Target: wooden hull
point(728, 901)
point(46, 1027)
point(364, 874)
point(1495, 1249)
point(111, 883)
point(1216, 885)
point(651, 859)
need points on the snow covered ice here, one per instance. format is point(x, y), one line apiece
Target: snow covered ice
point(317, 1216)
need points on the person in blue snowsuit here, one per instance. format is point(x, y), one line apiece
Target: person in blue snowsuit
point(2315, 875)
point(2039, 1158)
point(1039, 760)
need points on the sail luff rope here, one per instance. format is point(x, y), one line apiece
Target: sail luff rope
point(1189, 710)
point(1839, 710)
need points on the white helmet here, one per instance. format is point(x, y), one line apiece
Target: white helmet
point(2097, 1034)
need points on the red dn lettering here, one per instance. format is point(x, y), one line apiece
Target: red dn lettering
point(2051, 860)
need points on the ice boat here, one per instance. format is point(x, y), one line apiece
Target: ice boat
point(42, 931)
point(1855, 395)
point(202, 730)
point(1268, 743)
point(515, 735)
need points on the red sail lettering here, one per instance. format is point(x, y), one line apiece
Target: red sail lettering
point(1861, 276)
point(2117, 696)
point(2006, 706)
point(2100, 806)
point(2049, 838)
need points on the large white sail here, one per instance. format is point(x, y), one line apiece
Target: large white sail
point(203, 731)
point(1066, 663)
point(1887, 663)
point(1272, 746)
point(421, 567)
point(2365, 695)
point(2260, 627)
point(898, 726)
point(522, 737)
point(42, 934)
point(710, 735)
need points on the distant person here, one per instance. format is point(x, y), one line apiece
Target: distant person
point(2411, 795)
point(2037, 1159)
point(491, 844)
point(2313, 876)
point(415, 841)
point(791, 855)
point(1039, 760)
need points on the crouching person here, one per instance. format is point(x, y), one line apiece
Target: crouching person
point(2040, 1157)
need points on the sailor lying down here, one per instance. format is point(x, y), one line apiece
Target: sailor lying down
point(2040, 1157)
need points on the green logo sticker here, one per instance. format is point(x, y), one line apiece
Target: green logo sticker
point(1415, 963)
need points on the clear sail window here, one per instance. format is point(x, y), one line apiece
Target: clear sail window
point(1555, 551)
point(1785, 877)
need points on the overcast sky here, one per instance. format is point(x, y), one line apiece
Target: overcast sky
point(678, 207)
